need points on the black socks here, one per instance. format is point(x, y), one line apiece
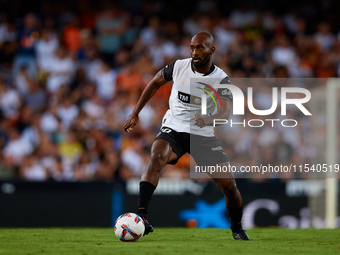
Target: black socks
point(146, 190)
point(235, 216)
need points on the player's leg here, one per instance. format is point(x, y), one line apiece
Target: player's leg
point(206, 151)
point(161, 154)
point(233, 201)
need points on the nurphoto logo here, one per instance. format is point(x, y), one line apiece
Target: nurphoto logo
point(239, 102)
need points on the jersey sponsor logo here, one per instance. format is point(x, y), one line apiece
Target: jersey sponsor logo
point(166, 130)
point(181, 80)
point(184, 97)
point(189, 100)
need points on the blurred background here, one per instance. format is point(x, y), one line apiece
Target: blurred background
point(72, 71)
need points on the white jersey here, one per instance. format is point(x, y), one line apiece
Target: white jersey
point(185, 99)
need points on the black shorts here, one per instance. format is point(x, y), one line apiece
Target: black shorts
point(206, 151)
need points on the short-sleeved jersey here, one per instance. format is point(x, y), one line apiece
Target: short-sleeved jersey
point(186, 95)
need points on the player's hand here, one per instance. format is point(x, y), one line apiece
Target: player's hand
point(131, 122)
point(199, 121)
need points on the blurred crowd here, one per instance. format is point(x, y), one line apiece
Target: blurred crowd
point(72, 71)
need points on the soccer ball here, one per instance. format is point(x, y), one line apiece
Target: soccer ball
point(129, 227)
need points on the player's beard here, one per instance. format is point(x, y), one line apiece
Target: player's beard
point(203, 63)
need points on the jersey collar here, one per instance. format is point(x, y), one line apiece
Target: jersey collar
point(212, 68)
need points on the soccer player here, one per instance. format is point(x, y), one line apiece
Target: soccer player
point(185, 130)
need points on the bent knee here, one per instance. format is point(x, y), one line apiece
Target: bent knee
point(159, 158)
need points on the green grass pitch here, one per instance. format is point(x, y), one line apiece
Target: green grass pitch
point(168, 241)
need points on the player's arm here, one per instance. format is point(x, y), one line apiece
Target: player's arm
point(161, 78)
point(223, 112)
point(147, 94)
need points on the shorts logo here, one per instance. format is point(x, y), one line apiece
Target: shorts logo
point(219, 148)
point(166, 130)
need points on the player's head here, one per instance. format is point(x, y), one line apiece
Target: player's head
point(202, 47)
